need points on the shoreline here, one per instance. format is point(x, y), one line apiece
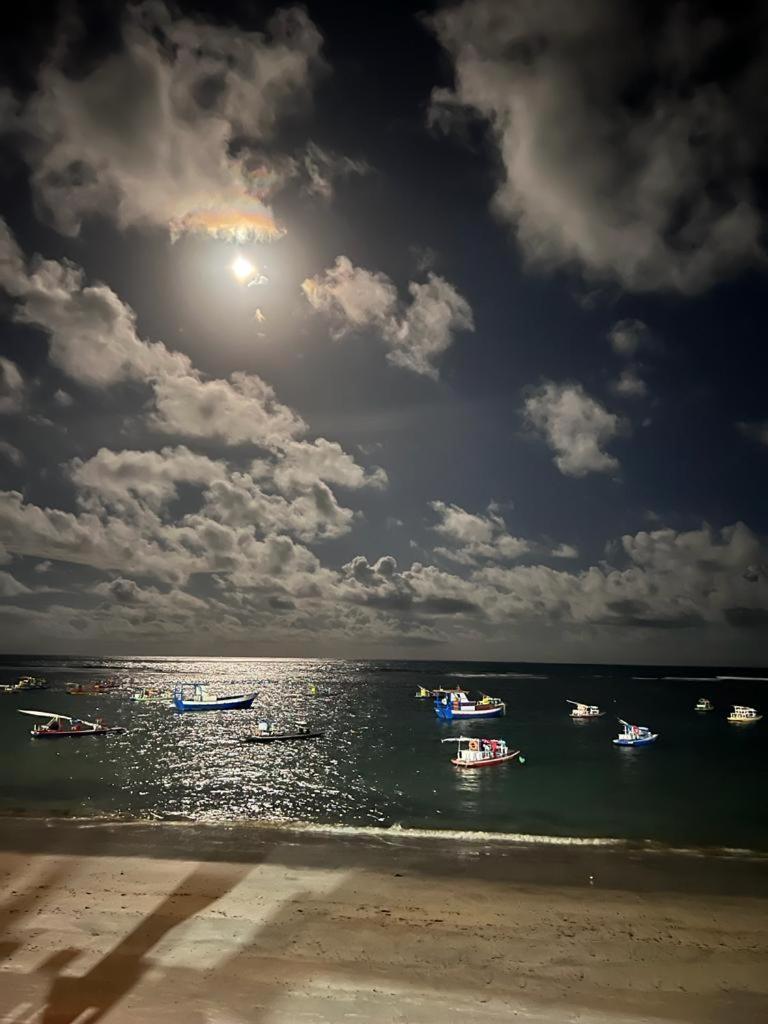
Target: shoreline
point(341, 829)
point(616, 864)
point(181, 923)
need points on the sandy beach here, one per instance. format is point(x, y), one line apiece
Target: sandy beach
point(194, 924)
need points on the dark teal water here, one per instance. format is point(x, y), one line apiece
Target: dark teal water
point(381, 762)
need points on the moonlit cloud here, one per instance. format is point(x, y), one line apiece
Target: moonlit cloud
point(620, 154)
point(11, 387)
point(575, 426)
point(146, 135)
point(630, 384)
point(417, 333)
point(475, 539)
point(628, 336)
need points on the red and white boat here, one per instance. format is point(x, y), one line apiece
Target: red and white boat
point(472, 752)
point(62, 727)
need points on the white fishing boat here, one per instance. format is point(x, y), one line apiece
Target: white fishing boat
point(742, 715)
point(456, 704)
point(582, 711)
point(635, 735)
point(473, 752)
point(150, 696)
point(704, 704)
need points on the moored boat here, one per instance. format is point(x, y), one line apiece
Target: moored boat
point(201, 701)
point(62, 727)
point(742, 715)
point(635, 735)
point(582, 711)
point(456, 704)
point(24, 685)
point(473, 752)
point(150, 696)
point(704, 704)
point(266, 733)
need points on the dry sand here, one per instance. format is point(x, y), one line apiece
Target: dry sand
point(172, 923)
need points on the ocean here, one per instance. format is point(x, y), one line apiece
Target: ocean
point(381, 764)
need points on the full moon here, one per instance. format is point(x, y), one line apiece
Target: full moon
point(242, 268)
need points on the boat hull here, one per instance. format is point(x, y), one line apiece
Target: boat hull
point(586, 718)
point(282, 737)
point(485, 762)
point(620, 741)
point(76, 734)
point(225, 704)
point(743, 721)
point(449, 713)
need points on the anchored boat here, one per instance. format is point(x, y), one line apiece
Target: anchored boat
point(635, 735)
point(472, 752)
point(266, 733)
point(200, 701)
point(704, 704)
point(742, 715)
point(149, 696)
point(62, 727)
point(456, 704)
point(25, 684)
point(585, 710)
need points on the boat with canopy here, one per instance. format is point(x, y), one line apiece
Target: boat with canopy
point(635, 735)
point(201, 701)
point(456, 704)
point(62, 727)
point(582, 711)
point(743, 715)
point(473, 752)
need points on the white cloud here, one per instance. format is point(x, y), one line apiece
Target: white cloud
point(11, 452)
point(240, 410)
point(651, 188)
point(11, 387)
point(300, 463)
point(63, 398)
point(10, 586)
point(575, 426)
point(417, 333)
point(630, 384)
point(94, 340)
point(145, 135)
point(322, 168)
point(477, 538)
point(627, 336)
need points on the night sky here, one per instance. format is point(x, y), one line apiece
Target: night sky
point(369, 331)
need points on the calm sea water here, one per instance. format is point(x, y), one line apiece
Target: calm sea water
point(381, 762)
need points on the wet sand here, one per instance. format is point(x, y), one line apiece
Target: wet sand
point(190, 924)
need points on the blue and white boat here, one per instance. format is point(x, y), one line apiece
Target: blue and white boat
point(455, 704)
point(635, 735)
point(200, 701)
